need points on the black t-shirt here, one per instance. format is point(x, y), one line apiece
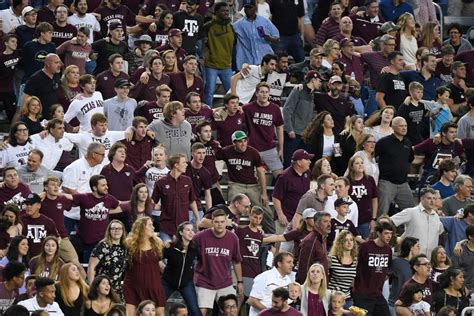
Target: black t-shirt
point(8, 65)
point(45, 88)
point(394, 88)
point(338, 107)
point(285, 15)
point(457, 94)
point(414, 117)
point(104, 49)
point(191, 26)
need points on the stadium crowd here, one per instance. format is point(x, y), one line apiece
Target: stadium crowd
point(259, 158)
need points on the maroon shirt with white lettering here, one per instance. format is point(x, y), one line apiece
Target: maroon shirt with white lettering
point(54, 209)
point(209, 163)
point(94, 216)
point(372, 267)
point(226, 128)
point(16, 196)
point(36, 230)
point(241, 166)
point(428, 289)
point(151, 111)
point(261, 122)
point(175, 195)
point(250, 242)
point(180, 88)
point(214, 258)
point(122, 14)
point(362, 192)
point(8, 65)
point(205, 114)
point(63, 33)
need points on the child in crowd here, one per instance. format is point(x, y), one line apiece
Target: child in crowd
point(338, 300)
point(413, 299)
point(341, 222)
point(295, 294)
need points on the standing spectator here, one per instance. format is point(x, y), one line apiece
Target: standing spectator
point(190, 22)
point(139, 147)
point(196, 112)
point(298, 112)
point(227, 120)
point(458, 87)
point(101, 296)
point(330, 26)
point(175, 41)
point(252, 45)
point(365, 149)
point(182, 83)
point(145, 255)
point(34, 173)
point(346, 27)
point(9, 60)
point(109, 257)
point(44, 298)
point(12, 17)
point(217, 249)
point(262, 118)
point(85, 107)
point(375, 259)
point(393, 9)
point(290, 186)
point(107, 78)
point(288, 19)
point(466, 123)
point(395, 150)
point(147, 87)
point(315, 296)
point(106, 49)
point(119, 109)
point(443, 68)
point(173, 131)
point(62, 31)
point(341, 191)
point(351, 60)
point(239, 205)
point(179, 271)
point(44, 83)
point(219, 40)
point(19, 146)
point(431, 38)
point(426, 76)
point(447, 173)
point(36, 226)
point(14, 276)
point(451, 292)
point(153, 110)
point(26, 31)
point(279, 304)
point(81, 18)
point(422, 221)
point(367, 24)
point(456, 228)
point(390, 86)
point(174, 210)
point(456, 40)
point(461, 197)
point(414, 113)
point(279, 276)
point(408, 40)
point(299, 70)
point(12, 191)
point(464, 261)
point(76, 51)
point(71, 290)
point(440, 262)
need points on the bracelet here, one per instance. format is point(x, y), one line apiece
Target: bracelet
point(242, 282)
point(374, 219)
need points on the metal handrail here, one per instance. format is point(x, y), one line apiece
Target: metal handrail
point(441, 18)
point(467, 309)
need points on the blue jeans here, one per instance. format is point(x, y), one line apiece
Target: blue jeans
point(20, 95)
point(188, 292)
point(70, 224)
point(364, 230)
point(372, 105)
point(292, 45)
point(211, 75)
point(90, 66)
point(289, 147)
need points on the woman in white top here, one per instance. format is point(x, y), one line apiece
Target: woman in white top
point(379, 123)
point(15, 154)
point(408, 43)
point(365, 150)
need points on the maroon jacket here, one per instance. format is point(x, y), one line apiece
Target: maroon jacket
point(312, 250)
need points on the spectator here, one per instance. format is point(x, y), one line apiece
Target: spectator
point(315, 296)
point(101, 296)
point(393, 150)
point(332, 52)
point(298, 112)
point(13, 191)
point(31, 114)
point(139, 148)
point(375, 259)
point(456, 40)
point(196, 112)
point(10, 58)
point(34, 173)
point(426, 76)
point(175, 211)
point(62, 31)
point(228, 304)
point(390, 85)
point(164, 25)
point(146, 87)
point(175, 41)
point(252, 45)
point(109, 257)
point(14, 276)
point(414, 113)
point(447, 173)
point(158, 169)
point(107, 77)
point(351, 60)
point(173, 131)
point(17, 251)
point(279, 276)
point(12, 17)
point(451, 291)
point(431, 38)
point(145, 253)
point(443, 68)
point(227, 120)
point(81, 18)
point(44, 298)
point(184, 82)
point(76, 51)
point(278, 78)
point(239, 205)
point(153, 110)
point(365, 149)
point(330, 26)
point(217, 248)
point(439, 111)
point(466, 123)
point(219, 38)
point(393, 9)
point(463, 261)
point(26, 31)
point(11, 213)
point(346, 31)
point(106, 49)
point(456, 227)
point(367, 24)
point(314, 247)
point(119, 109)
point(299, 70)
point(461, 197)
point(244, 83)
point(190, 22)
point(341, 190)
point(280, 304)
point(457, 102)
point(71, 290)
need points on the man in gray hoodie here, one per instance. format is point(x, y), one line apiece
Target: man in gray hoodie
point(173, 131)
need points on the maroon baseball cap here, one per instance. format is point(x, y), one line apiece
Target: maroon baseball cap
point(313, 74)
point(345, 42)
point(174, 32)
point(301, 154)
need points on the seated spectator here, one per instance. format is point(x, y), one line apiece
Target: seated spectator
point(47, 263)
point(71, 290)
point(44, 298)
point(461, 197)
point(456, 39)
point(14, 276)
point(451, 292)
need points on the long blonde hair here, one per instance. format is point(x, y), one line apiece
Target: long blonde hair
point(136, 238)
point(65, 284)
point(175, 66)
point(25, 109)
point(402, 22)
point(323, 286)
point(337, 249)
point(64, 83)
point(41, 260)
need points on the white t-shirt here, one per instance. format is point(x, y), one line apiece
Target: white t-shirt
point(51, 149)
point(82, 141)
point(420, 308)
point(83, 108)
point(408, 48)
point(328, 145)
point(88, 21)
point(152, 175)
point(353, 214)
point(15, 156)
point(263, 9)
point(32, 305)
point(245, 88)
point(10, 20)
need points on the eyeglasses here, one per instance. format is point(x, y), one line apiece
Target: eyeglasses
point(101, 154)
point(230, 306)
point(425, 264)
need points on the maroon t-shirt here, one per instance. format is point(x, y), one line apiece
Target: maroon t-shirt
point(362, 192)
point(214, 258)
point(63, 33)
point(16, 196)
point(289, 188)
point(372, 267)
point(175, 196)
point(36, 230)
point(427, 148)
point(210, 161)
point(261, 122)
point(94, 216)
point(205, 114)
point(122, 14)
point(250, 242)
point(8, 65)
point(151, 111)
point(297, 237)
point(54, 210)
point(271, 312)
point(427, 287)
point(121, 182)
point(138, 151)
point(226, 128)
point(6, 297)
point(201, 180)
point(180, 55)
point(180, 88)
point(147, 91)
point(241, 166)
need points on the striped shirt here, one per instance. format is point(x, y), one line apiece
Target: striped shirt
point(376, 61)
point(341, 275)
point(329, 29)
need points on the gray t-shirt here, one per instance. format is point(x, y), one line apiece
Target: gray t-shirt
point(119, 113)
point(466, 127)
point(466, 263)
point(35, 179)
point(451, 205)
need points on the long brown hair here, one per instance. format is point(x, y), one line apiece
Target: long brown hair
point(137, 237)
point(134, 202)
point(41, 260)
point(427, 35)
point(315, 126)
point(65, 283)
point(376, 118)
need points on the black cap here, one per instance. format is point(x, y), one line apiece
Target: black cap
point(32, 198)
point(119, 83)
point(342, 201)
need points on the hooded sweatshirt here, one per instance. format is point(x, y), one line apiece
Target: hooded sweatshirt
point(175, 138)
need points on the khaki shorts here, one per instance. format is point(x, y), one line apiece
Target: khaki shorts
point(67, 251)
point(206, 297)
